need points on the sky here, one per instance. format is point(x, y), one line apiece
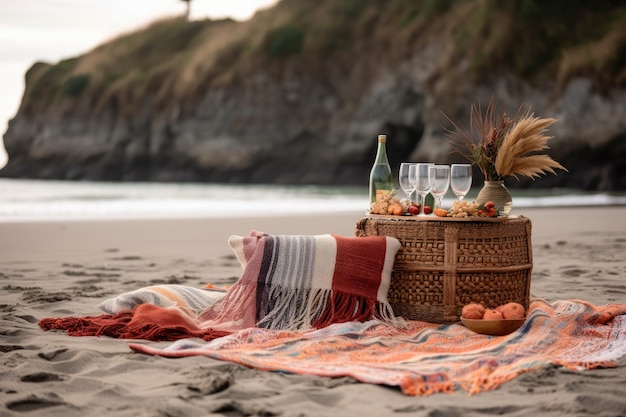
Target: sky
point(52, 30)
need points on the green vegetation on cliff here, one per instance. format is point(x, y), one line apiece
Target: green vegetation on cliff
point(176, 61)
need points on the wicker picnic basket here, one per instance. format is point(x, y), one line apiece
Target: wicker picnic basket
point(443, 264)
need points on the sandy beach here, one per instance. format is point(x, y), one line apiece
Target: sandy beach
point(50, 269)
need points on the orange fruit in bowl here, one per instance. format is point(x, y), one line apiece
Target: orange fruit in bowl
point(492, 314)
point(473, 311)
point(513, 311)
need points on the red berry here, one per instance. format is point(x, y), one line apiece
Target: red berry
point(414, 210)
point(489, 204)
point(427, 210)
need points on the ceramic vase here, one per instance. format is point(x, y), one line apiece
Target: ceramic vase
point(497, 192)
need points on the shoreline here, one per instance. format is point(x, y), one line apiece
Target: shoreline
point(304, 213)
point(64, 201)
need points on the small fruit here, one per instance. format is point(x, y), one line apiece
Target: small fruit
point(487, 209)
point(473, 311)
point(414, 210)
point(513, 311)
point(440, 212)
point(394, 209)
point(492, 314)
point(427, 210)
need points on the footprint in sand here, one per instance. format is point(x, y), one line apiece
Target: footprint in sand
point(206, 381)
point(68, 265)
point(128, 258)
point(72, 273)
point(37, 296)
point(51, 356)
point(574, 272)
point(36, 402)
point(605, 404)
point(38, 377)
point(10, 348)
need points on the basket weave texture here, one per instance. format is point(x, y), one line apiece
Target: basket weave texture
point(444, 265)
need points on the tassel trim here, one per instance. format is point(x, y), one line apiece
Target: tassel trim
point(145, 322)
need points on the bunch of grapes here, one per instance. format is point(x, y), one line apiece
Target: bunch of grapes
point(406, 205)
point(463, 209)
point(388, 204)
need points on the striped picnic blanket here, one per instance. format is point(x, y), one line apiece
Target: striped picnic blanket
point(425, 358)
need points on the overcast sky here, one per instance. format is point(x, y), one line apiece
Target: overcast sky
point(52, 30)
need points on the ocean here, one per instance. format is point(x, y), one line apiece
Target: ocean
point(38, 200)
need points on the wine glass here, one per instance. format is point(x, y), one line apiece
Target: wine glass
point(441, 182)
point(460, 179)
point(405, 180)
point(423, 182)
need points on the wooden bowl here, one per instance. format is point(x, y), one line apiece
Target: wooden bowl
point(493, 327)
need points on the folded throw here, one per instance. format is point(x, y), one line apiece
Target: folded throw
point(304, 282)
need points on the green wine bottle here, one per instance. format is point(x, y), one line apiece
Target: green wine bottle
point(381, 179)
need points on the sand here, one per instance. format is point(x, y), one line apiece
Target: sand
point(50, 269)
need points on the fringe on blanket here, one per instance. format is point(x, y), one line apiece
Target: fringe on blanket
point(147, 321)
point(298, 309)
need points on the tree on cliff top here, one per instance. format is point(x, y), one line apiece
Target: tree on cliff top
point(187, 13)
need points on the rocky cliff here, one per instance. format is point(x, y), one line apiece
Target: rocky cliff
point(299, 93)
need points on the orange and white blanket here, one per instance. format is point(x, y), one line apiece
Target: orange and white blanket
point(425, 358)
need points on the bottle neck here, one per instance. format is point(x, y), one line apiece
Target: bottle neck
point(381, 154)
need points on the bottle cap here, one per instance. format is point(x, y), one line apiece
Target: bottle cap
point(382, 138)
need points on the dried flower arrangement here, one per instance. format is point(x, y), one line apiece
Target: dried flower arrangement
point(504, 146)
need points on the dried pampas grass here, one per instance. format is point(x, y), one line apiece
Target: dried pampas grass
point(502, 146)
point(518, 153)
